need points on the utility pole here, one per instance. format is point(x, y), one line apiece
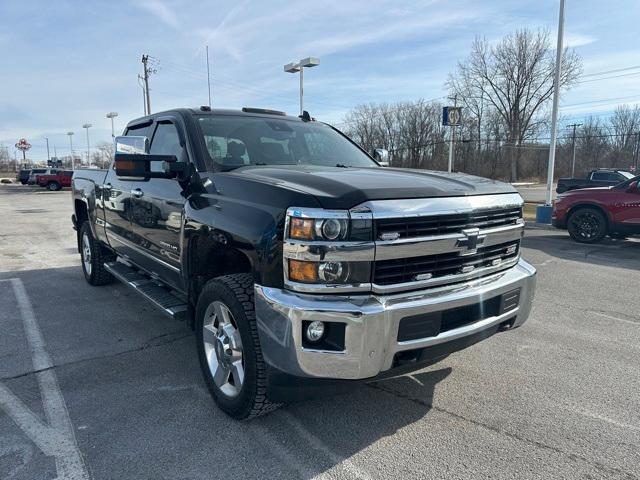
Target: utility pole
point(147, 72)
point(554, 113)
point(573, 148)
point(144, 94)
point(452, 138)
point(208, 77)
point(48, 156)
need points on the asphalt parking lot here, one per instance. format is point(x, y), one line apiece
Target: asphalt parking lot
point(95, 384)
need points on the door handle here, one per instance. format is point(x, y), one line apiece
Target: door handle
point(137, 193)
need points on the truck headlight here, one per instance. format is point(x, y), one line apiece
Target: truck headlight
point(328, 248)
point(318, 229)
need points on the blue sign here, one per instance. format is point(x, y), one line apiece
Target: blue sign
point(451, 116)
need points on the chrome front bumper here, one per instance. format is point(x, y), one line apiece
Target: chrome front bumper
point(372, 323)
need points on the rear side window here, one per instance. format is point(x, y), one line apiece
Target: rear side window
point(600, 176)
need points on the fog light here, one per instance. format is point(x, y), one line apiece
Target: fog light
point(315, 331)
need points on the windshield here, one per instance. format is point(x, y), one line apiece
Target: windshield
point(626, 174)
point(236, 141)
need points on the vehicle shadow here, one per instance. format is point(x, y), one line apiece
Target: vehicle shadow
point(609, 252)
point(111, 348)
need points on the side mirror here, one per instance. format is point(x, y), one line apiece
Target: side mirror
point(132, 161)
point(633, 187)
point(382, 156)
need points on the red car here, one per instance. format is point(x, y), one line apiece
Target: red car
point(55, 181)
point(590, 214)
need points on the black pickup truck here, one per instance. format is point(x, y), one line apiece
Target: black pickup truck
point(299, 261)
point(602, 177)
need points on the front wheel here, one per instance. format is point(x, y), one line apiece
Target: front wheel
point(229, 348)
point(587, 225)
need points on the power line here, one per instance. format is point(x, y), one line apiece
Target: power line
point(605, 72)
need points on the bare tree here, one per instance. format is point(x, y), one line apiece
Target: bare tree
point(593, 142)
point(625, 123)
point(515, 78)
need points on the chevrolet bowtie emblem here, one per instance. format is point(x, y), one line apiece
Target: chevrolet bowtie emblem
point(470, 241)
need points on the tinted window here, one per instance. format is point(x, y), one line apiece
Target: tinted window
point(234, 141)
point(166, 141)
point(600, 176)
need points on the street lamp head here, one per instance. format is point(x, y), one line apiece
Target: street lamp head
point(69, 133)
point(292, 67)
point(87, 125)
point(112, 114)
point(310, 62)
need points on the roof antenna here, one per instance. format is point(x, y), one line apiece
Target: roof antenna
point(305, 116)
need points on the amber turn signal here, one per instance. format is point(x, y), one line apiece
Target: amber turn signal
point(301, 228)
point(300, 271)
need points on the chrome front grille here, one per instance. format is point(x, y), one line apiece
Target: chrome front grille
point(422, 243)
point(398, 228)
point(443, 265)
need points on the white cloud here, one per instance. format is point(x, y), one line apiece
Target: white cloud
point(575, 40)
point(160, 10)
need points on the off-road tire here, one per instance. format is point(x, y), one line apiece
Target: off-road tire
point(587, 225)
point(96, 275)
point(236, 293)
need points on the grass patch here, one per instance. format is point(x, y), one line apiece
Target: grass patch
point(529, 212)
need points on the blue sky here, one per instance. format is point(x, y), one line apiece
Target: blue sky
point(70, 62)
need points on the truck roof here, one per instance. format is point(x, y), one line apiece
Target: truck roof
point(245, 112)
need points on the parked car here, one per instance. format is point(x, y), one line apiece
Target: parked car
point(33, 176)
point(32, 180)
point(23, 176)
point(300, 262)
point(593, 213)
point(602, 177)
point(55, 181)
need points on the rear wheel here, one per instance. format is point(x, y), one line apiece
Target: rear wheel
point(93, 258)
point(587, 225)
point(229, 348)
point(54, 186)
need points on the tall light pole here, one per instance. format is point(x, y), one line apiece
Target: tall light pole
point(87, 126)
point(71, 149)
point(48, 156)
point(299, 67)
point(112, 115)
point(554, 114)
point(573, 148)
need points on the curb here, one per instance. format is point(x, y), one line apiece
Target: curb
point(539, 226)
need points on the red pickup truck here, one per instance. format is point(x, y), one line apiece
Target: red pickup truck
point(55, 181)
point(590, 214)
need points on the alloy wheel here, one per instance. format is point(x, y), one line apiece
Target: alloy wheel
point(86, 253)
point(587, 225)
point(223, 348)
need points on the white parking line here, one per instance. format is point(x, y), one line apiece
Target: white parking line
point(55, 438)
point(353, 470)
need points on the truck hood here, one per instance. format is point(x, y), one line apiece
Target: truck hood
point(336, 187)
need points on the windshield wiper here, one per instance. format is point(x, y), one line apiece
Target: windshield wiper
point(340, 165)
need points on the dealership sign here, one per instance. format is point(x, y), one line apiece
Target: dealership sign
point(23, 145)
